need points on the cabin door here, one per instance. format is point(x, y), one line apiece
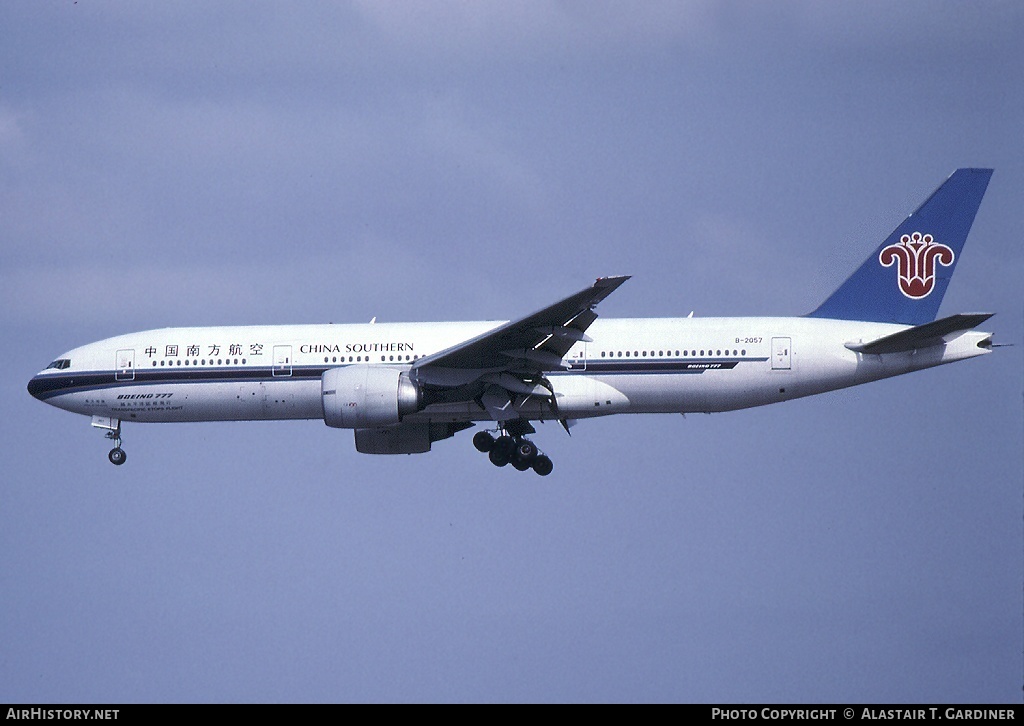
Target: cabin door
point(124, 366)
point(782, 349)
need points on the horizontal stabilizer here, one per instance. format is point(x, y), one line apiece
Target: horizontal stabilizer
point(923, 336)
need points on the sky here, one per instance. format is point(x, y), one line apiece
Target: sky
point(192, 163)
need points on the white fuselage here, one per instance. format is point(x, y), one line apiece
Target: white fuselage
point(644, 365)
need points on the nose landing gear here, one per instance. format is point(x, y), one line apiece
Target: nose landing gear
point(117, 455)
point(518, 451)
point(113, 429)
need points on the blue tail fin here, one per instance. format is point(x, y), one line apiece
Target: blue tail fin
point(904, 280)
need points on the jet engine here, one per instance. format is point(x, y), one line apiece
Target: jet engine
point(356, 397)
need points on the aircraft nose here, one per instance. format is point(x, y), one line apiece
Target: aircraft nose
point(35, 387)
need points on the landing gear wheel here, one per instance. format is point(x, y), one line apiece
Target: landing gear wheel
point(498, 456)
point(501, 452)
point(518, 451)
point(523, 454)
point(483, 441)
point(117, 456)
point(542, 465)
point(526, 450)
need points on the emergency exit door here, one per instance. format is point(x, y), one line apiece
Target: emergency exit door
point(282, 361)
point(577, 360)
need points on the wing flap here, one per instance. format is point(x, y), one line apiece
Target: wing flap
point(498, 404)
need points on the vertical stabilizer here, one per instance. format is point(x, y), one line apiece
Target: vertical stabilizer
point(903, 281)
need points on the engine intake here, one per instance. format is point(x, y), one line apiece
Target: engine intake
point(356, 397)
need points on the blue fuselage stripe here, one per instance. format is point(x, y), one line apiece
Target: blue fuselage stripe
point(48, 385)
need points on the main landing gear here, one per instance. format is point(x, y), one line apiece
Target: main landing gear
point(518, 451)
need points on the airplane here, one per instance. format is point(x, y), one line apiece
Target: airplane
point(403, 386)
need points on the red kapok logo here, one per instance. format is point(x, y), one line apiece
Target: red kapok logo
point(916, 255)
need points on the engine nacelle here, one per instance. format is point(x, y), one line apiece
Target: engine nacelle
point(407, 438)
point(356, 397)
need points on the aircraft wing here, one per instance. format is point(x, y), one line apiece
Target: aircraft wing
point(510, 360)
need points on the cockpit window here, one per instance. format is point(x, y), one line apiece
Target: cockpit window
point(60, 364)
